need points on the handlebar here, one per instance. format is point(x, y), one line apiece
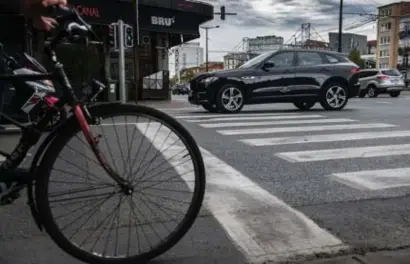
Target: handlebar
point(70, 24)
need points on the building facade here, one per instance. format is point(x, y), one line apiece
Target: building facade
point(371, 47)
point(162, 25)
point(262, 44)
point(233, 60)
point(186, 56)
point(349, 42)
point(388, 37)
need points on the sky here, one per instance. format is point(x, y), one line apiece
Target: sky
point(283, 18)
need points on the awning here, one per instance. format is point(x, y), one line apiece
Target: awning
point(151, 18)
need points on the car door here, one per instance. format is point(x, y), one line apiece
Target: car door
point(274, 81)
point(365, 77)
point(311, 71)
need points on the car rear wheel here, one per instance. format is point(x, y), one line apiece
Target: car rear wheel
point(303, 105)
point(394, 94)
point(210, 108)
point(371, 92)
point(230, 99)
point(334, 97)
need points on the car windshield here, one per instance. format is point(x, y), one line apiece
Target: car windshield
point(391, 72)
point(256, 60)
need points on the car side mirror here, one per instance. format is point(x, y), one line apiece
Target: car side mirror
point(268, 65)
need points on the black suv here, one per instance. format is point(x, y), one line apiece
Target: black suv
point(301, 77)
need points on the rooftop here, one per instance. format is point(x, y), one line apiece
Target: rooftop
point(392, 4)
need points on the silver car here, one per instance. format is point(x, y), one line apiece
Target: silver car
point(378, 81)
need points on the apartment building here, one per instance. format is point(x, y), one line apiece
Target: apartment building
point(388, 28)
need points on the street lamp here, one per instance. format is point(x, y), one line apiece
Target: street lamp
point(206, 43)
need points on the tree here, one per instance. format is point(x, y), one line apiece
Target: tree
point(354, 56)
point(187, 75)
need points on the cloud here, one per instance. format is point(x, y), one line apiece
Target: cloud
point(282, 18)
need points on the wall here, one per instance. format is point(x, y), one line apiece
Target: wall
point(349, 42)
point(263, 44)
point(187, 55)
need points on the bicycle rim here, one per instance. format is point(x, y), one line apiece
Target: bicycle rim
point(133, 213)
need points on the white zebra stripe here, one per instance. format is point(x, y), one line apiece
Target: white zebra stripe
point(301, 129)
point(275, 123)
point(345, 153)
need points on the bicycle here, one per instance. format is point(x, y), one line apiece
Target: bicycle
point(84, 118)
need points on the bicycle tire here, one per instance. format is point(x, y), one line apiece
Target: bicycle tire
point(67, 132)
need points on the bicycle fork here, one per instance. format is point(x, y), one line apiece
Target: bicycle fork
point(92, 140)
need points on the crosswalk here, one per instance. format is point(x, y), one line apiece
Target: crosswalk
point(307, 130)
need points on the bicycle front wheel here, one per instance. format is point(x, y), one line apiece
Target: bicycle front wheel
point(74, 193)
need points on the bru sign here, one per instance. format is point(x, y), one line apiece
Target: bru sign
point(87, 11)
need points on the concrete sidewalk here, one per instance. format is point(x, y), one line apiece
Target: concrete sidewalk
point(382, 257)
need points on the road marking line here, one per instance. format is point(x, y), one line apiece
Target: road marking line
point(375, 179)
point(345, 153)
point(254, 118)
point(382, 102)
point(260, 224)
point(235, 115)
point(273, 123)
point(301, 129)
point(179, 109)
point(324, 138)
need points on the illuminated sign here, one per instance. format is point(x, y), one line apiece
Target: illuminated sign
point(87, 11)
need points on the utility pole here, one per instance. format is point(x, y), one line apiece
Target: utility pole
point(340, 25)
point(121, 62)
point(138, 89)
point(206, 45)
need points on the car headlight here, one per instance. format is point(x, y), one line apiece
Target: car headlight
point(209, 80)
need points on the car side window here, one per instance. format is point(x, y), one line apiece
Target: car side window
point(282, 60)
point(309, 59)
point(332, 59)
point(366, 74)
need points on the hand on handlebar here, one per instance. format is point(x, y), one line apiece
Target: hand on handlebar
point(34, 9)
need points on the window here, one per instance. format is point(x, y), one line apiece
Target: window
point(391, 72)
point(309, 58)
point(332, 59)
point(365, 74)
point(256, 60)
point(282, 60)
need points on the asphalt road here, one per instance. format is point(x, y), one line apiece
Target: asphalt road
point(281, 184)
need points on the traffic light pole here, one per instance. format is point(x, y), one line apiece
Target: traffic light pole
point(121, 62)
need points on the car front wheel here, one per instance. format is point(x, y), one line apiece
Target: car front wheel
point(230, 99)
point(302, 105)
point(334, 97)
point(394, 94)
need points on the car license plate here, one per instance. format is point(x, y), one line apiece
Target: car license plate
point(190, 93)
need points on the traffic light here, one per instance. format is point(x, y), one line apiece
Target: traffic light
point(222, 12)
point(113, 36)
point(128, 36)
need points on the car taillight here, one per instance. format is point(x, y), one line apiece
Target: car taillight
point(355, 70)
point(383, 77)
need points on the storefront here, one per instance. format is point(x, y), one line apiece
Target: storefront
point(163, 24)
